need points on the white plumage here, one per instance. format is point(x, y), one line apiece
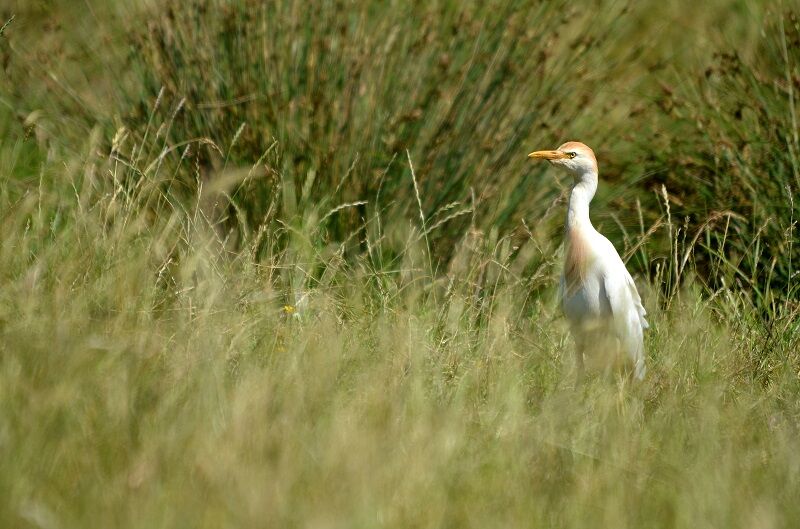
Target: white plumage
point(598, 295)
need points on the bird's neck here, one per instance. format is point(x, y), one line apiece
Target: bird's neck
point(582, 193)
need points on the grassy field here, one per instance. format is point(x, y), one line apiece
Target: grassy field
point(285, 264)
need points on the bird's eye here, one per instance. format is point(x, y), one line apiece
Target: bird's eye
point(572, 154)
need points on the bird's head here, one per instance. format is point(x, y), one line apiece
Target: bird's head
point(574, 156)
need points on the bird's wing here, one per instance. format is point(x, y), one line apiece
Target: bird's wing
point(637, 300)
point(622, 295)
point(620, 289)
point(628, 312)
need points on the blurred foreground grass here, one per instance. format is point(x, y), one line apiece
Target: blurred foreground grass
point(223, 304)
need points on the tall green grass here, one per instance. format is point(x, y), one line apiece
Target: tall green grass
point(730, 160)
point(270, 266)
point(340, 94)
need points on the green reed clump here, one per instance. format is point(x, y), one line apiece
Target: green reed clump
point(728, 150)
point(346, 90)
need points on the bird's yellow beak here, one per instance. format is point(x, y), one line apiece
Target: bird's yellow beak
point(548, 155)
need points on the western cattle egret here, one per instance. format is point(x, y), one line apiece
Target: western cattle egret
point(598, 295)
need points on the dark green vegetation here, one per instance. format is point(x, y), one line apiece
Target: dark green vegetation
point(226, 299)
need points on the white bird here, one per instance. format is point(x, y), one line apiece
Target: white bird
point(598, 295)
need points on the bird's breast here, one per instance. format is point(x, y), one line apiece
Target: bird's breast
point(577, 259)
point(582, 290)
